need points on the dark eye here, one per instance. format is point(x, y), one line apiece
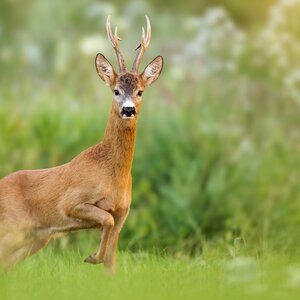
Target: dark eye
point(140, 93)
point(117, 93)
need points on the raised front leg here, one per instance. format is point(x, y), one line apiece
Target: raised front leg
point(110, 255)
point(98, 216)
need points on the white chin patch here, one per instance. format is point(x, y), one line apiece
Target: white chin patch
point(127, 118)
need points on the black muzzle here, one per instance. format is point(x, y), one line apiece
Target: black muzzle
point(128, 111)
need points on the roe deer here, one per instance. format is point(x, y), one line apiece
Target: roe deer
point(91, 191)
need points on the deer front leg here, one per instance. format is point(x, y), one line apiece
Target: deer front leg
point(89, 212)
point(110, 255)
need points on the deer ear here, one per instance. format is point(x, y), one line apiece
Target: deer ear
point(105, 70)
point(152, 71)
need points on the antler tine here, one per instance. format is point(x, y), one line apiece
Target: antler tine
point(148, 36)
point(114, 39)
point(142, 46)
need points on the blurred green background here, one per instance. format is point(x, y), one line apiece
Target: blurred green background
point(217, 155)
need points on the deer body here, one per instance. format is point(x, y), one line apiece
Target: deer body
point(91, 191)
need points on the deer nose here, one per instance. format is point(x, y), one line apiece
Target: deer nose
point(128, 111)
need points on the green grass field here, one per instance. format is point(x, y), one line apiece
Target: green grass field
point(216, 170)
point(52, 275)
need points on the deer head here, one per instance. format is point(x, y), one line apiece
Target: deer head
point(128, 87)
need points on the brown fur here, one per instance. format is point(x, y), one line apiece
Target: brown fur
point(129, 83)
point(91, 191)
point(43, 202)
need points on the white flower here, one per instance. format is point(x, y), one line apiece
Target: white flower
point(91, 44)
point(215, 15)
point(216, 46)
point(288, 2)
point(277, 18)
point(32, 53)
point(242, 269)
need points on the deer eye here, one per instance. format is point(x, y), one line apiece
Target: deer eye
point(140, 93)
point(116, 92)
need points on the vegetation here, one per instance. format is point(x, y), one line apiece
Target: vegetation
point(217, 156)
point(50, 275)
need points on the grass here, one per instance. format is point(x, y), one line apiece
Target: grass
point(49, 275)
point(217, 151)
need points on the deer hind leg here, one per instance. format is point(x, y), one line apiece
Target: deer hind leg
point(99, 217)
point(17, 246)
point(23, 252)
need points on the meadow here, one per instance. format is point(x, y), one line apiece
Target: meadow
point(142, 275)
point(216, 196)
point(212, 276)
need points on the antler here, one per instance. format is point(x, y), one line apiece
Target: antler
point(114, 39)
point(142, 46)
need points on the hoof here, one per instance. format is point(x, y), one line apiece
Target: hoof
point(93, 259)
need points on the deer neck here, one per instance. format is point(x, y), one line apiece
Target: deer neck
point(119, 138)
